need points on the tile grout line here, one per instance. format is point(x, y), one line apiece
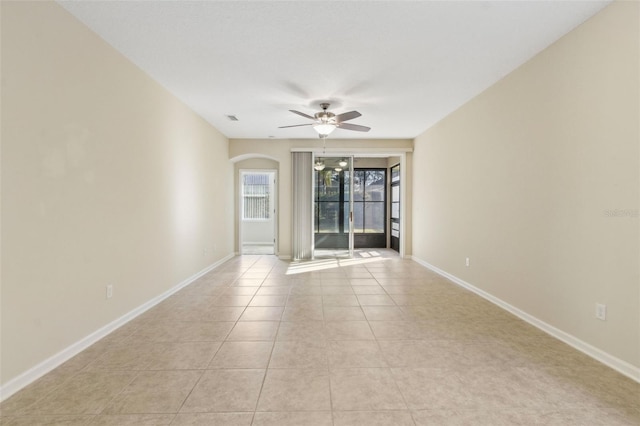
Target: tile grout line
point(266, 370)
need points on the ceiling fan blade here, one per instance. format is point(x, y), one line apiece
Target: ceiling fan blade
point(302, 114)
point(295, 125)
point(356, 127)
point(347, 116)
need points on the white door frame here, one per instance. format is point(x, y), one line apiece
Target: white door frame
point(273, 203)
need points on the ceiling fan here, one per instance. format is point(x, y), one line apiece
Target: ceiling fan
point(325, 122)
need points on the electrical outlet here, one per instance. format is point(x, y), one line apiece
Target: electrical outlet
point(601, 311)
point(466, 262)
point(109, 291)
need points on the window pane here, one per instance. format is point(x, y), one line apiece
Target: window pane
point(395, 194)
point(395, 173)
point(375, 185)
point(358, 185)
point(255, 192)
point(358, 217)
point(327, 185)
point(328, 217)
point(345, 217)
point(374, 217)
point(256, 208)
point(395, 210)
point(347, 184)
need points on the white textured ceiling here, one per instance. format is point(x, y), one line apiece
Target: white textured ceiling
point(403, 64)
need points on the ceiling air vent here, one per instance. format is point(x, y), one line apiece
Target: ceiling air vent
point(232, 118)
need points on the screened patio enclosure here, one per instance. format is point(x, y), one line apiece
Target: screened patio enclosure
point(349, 205)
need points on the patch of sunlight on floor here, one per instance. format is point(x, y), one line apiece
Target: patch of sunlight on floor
point(360, 257)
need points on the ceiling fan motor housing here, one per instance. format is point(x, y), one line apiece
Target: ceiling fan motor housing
point(325, 117)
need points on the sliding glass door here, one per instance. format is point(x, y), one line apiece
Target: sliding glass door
point(333, 205)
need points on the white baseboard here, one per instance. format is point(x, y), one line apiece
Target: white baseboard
point(617, 364)
point(34, 373)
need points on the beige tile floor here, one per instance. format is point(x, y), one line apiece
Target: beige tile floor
point(373, 341)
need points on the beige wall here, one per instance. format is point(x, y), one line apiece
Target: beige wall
point(374, 163)
point(537, 181)
point(106, 179)
point(279, 150)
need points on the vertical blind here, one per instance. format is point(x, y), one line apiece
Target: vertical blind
point(302, 205)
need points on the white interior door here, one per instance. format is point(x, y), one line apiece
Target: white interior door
point(257, 212)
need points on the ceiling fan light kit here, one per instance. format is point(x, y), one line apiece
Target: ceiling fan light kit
point(325, 122)
point(324, 129)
